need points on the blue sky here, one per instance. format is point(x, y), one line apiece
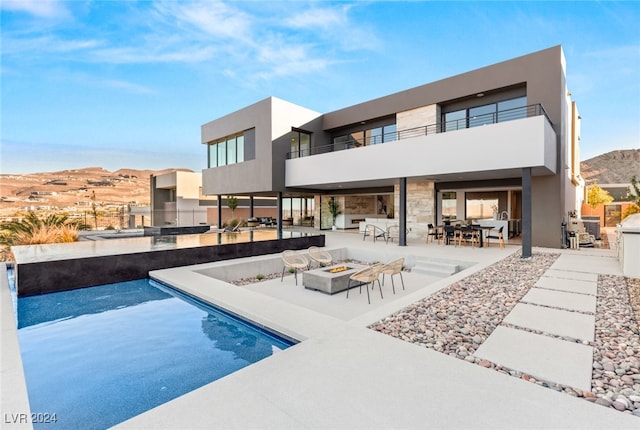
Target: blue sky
point(127, 84)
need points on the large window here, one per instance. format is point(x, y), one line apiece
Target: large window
point(369, 136)
point(229, 150)
point(455, 120)
point(449, 203)
point(299, 209)
point(482, 205)
point(491, 113)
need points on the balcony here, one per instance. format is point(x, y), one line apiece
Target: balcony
point(460, 124)
point(488, 147)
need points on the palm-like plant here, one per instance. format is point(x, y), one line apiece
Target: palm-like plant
point(31, 230)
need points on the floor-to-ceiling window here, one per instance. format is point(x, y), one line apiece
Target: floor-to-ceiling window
point(449, 206)
point(366, 136)
point(300, 143)
point(490, 113)
point(298, 209)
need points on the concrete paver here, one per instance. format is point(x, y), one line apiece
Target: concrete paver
point(570, 274)
point(561, 299)
point(561, 323)
point(569, 285)
point(540, 356)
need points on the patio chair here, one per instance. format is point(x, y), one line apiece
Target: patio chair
point(433, 232)
point(449, 235)
point(293, 260)
point(366, 276)
point(495, 234)
point(393, 268)
point(393, 232)
point(320, 256)
point(374, 231)
point(468, 235)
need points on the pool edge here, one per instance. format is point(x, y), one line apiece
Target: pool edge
point(14, 398)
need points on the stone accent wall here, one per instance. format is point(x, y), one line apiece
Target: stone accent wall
point(420, 203)
point(359, 205)
point(418, 117)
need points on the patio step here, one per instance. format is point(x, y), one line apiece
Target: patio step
point(435, 268)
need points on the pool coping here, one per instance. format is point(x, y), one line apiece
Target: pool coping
point(14, 400)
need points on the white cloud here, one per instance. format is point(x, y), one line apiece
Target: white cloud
point(244, 38)
point(51, 44)
point(214, 18)
point(315, 18)
point(40, 8)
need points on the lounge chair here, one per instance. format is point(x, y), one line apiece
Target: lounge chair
point(393, 268)
point(227, 229)
point(293, 260)
point(366, 276)
point(320, 256)
point(374, 231)
point(393, 232)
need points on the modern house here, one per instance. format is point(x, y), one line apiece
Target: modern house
point(499, 142)
point(177, 200)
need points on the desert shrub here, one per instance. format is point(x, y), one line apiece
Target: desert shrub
point(32, 230)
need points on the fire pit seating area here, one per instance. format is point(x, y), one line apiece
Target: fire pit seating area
point(330, 280)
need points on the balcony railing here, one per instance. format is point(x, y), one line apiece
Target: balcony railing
point(441, 127)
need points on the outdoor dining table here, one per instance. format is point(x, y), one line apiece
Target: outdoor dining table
point(481, 233)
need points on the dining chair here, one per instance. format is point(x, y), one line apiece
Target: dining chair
point(467, 234)
point(433, 232)
point(449, 234)
point(496, 234)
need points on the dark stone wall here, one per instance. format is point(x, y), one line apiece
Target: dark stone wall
point(60, 275)
point(169, 231)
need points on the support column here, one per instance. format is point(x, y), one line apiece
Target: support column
point(402, 212)
point(279, 220)
point(219, 211)
point(251, 206)
point(526, 212)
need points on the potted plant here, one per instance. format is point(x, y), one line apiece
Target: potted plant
point(334, 210)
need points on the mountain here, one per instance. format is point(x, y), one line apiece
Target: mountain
point(74, 188)
point(615, 167)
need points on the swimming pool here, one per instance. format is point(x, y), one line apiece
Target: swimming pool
point(94, 357)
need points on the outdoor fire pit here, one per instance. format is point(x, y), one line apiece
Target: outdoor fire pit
point(331, 279)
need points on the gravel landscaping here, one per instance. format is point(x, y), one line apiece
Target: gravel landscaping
point(458, 319)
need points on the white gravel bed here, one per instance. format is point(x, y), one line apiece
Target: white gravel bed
point(458, 319)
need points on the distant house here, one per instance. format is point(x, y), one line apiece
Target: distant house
point(177, 200)
point(612, 213)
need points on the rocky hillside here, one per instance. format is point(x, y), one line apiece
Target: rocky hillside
point(615, 167)
point(74, 188)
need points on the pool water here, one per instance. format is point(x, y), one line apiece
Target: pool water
point(94, 357)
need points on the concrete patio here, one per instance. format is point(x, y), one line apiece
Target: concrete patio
point(344, 375)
